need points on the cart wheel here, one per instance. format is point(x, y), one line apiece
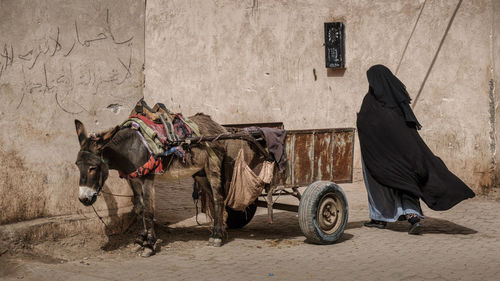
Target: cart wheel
point(238, 219)
point(323, 212)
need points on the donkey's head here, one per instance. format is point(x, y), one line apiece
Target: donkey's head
point(93, 168)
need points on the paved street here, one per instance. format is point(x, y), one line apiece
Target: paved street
point(459, 244)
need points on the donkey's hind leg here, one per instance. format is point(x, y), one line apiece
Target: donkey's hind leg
point(219, 230)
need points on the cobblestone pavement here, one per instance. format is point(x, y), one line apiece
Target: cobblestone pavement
point(460, 244)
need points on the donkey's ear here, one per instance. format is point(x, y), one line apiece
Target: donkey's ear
point(80, 131)
point(109, 134)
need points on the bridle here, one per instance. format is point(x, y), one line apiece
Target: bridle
point(102, 165)
point(98, 187)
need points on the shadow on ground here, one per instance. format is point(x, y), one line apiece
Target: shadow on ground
point(434, 226)
point(284, 227)
point(430, 226)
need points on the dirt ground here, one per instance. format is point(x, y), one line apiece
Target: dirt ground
point(460, 244)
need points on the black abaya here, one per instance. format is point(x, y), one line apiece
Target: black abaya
point(394, 153)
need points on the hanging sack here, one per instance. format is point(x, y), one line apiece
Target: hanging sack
point(246, 186)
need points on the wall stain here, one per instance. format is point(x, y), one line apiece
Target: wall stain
point(492, 177)
point(22, 190)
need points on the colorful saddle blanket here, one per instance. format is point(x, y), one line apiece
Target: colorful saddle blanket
point(169, 127)
point(160, 131)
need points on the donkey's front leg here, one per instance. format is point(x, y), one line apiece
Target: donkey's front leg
point(148, 197)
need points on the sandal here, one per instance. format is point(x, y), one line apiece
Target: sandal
point(375, 223)
point(415, 228)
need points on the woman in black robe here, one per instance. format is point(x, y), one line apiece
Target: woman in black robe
point(398, 167)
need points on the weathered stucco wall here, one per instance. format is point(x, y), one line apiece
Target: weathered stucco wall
point(263, 61)
point(239, 61)
point(494, 89)
point(59, 61)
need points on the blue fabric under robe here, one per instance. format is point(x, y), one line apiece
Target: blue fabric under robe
point(387, 204)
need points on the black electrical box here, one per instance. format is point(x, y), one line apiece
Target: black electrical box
point(335, 45)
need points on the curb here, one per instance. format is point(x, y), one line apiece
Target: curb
point(51, 228)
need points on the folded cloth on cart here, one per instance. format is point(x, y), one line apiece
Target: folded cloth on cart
point(275, 143)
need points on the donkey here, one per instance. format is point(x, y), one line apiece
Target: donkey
point(122, 149)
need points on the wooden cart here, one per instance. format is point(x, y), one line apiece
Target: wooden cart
point(319, 159)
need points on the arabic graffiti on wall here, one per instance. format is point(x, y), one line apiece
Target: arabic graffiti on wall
point(68, 63)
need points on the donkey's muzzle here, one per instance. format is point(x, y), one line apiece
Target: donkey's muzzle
point(87, 196)
point(88, 201)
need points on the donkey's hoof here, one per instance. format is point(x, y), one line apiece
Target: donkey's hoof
point(217, 242)
point(210, 241)
point(147, 252)
point(136, 248)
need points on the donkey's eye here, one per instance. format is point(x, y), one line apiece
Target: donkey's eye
point(92, 169)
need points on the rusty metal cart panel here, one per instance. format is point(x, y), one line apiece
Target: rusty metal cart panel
point(318, 155)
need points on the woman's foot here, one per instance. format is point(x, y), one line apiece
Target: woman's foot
point(375, 223)
point(415, 227)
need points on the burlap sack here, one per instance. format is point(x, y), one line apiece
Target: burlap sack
point(246, 186)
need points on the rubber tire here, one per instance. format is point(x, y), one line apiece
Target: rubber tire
point(238, 219)
point(308, 210)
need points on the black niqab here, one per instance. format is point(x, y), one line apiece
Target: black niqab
point(391, 92)
point(394, 153)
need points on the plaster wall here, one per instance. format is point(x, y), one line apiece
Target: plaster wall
point(59, 61)
point(494, 89)
point(263, 61)
point(239, 61)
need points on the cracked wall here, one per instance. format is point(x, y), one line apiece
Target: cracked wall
point(60, 61)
